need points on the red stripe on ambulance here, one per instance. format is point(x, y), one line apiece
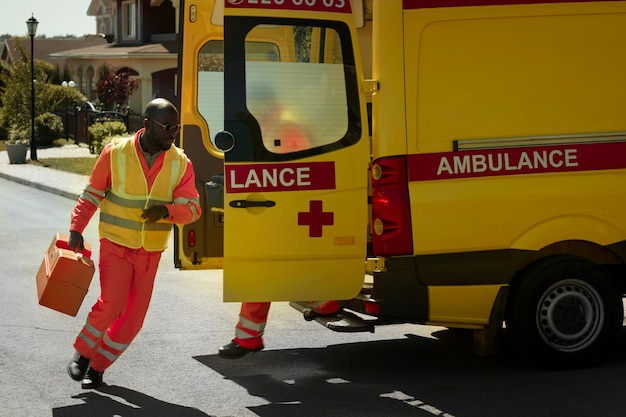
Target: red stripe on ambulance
point(517, 161)
point(338, 6)
point(280, 177)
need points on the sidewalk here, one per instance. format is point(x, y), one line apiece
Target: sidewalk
point(54, 181)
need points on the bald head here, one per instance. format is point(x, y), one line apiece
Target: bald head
point(161, 124)
point(160, 107)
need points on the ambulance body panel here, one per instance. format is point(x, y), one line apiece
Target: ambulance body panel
point(496, 163)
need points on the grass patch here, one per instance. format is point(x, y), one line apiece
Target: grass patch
point(82, 166)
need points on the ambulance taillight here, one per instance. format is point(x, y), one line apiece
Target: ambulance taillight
point(391, 211)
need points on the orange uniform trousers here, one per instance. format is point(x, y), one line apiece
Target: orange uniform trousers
point(126, 283)
point(253, 318)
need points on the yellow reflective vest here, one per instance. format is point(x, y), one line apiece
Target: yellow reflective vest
point(120, 211)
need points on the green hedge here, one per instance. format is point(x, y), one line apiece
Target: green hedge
point(48, 128)
point(103, 132)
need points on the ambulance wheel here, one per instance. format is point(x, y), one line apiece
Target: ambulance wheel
point(564, 313)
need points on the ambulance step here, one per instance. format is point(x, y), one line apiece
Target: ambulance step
point(345, 321)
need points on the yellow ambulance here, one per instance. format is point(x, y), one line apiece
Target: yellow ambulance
point(450, 162)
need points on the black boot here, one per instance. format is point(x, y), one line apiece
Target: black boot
point(233, 350)
point(77, 367)
point(93, 379)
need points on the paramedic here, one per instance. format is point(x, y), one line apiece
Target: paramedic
point(142, 185)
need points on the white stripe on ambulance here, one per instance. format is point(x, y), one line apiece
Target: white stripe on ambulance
point(496, 162)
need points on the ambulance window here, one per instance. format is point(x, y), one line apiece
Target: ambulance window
point(300, 101)
point(211, 78)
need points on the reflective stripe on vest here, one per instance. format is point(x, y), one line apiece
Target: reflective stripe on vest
point(120, 211)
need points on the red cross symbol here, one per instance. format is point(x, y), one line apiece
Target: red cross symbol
point(315, 218)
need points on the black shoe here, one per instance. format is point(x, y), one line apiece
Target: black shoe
point(310, 314)
point(233, 350)
point(93, 379)
point(78, 367)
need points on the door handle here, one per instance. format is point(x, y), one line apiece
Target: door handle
point(247, 203)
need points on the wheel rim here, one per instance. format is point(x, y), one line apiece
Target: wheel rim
point(570, 315)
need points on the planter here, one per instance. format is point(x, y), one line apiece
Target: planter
point(17, 153)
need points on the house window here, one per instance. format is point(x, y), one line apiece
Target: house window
point(129, 20)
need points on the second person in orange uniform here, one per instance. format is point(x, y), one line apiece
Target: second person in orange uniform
point(251, 325)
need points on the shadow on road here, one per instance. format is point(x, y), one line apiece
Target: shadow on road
point(111, 400)
point(419, 376)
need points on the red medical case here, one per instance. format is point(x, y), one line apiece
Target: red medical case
point(64, 276)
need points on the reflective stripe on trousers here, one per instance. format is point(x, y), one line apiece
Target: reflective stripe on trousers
point(252, 320)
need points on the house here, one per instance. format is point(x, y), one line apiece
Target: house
point(44, 47)
point(140, 37)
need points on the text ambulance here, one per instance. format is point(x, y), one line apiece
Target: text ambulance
point(477, 147)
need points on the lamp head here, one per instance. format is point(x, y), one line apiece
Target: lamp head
point(32, 26)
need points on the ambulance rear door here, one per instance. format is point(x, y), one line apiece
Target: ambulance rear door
point(296, 153)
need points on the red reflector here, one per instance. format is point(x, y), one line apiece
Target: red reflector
point(191, 238)
point(391, 209)
point(373, 309)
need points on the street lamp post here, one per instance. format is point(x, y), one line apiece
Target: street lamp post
point(32, 31)
point(70, 84)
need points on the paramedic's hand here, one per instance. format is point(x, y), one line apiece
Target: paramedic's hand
point(155, 213)
point(76, 242)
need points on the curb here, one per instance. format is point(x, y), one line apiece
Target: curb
point(43, 187)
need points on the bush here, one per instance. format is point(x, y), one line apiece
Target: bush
point(18, 135)
point(4, 132)
point(48, 128)
point(103, 132)
point(115, 88)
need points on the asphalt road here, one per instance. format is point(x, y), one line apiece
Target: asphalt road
point(172, 369)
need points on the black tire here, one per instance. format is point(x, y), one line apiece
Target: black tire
point(564, 312)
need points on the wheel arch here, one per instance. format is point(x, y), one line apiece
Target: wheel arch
point(593, 252)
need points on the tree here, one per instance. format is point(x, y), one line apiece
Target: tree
point(15, 95)
point(15, 85)
point(115, 88)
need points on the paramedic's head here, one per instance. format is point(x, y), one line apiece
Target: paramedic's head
point(161, 125)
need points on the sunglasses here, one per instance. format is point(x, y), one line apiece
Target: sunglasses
point(168, 127)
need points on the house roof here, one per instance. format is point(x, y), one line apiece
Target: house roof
point(153, 50)
point(45, 49)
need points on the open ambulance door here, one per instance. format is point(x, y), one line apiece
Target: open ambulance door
point(198, 245)
point(296, 152)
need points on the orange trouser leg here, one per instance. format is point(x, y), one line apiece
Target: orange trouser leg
point(249, 329)
point(126, 283)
